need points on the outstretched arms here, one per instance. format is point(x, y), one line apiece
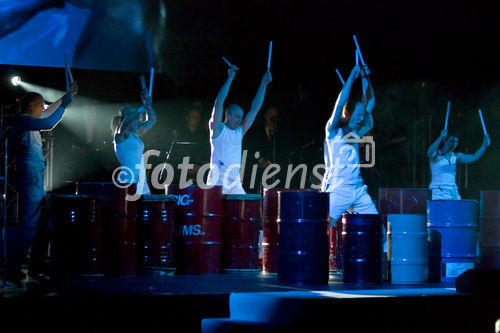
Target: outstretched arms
point(343, 97)
point(257, 102)
point(432, 151)
point(215, 123)
point(469, 158)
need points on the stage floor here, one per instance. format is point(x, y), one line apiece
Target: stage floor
point(243, 301)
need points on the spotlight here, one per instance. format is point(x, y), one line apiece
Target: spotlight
point(16, 80)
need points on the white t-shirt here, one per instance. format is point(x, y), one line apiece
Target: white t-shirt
point(129, 153)
point(444, 172)
point(341, 161)
point(225, 158)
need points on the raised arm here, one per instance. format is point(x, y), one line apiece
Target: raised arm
point(343, 97)
point(257, 102)
point(368, 101)
point(150, 114)
point(215, 123)
point(469, 158)
point(29, 123)
point(432, 151)
point(53, 107)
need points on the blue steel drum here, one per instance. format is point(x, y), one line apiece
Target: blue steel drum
point(489, 235)
point(362, 248)
point(303, 239)
point(453, 243)
point(408, 248)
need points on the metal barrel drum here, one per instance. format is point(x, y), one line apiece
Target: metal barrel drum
point(489, 231)
point(198, 229)
point(119, 225)
point(405, 210)
point(240, 232)
point(363, 237)
point(453, 243)
point(155, 234)
point(303, 241)
point(269, 243)
point(77, 234)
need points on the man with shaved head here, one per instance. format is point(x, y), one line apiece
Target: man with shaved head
point(226, 137)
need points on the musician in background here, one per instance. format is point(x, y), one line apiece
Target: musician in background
point(270, 141)
point(193, 141)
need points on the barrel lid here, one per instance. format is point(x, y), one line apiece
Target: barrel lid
point(241, 197)
point(66, 195)
point(158, 197)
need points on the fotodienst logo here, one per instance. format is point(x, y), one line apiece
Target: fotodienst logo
point(347, 155)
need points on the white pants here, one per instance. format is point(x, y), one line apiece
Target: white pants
point(445, 193)
point(343, 197)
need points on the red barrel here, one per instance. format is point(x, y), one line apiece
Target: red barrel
point(489, 232)
point(198, 229)
point(119, 226)
point(240, 232)
point(77, 237)
point(270, 231)
point(155, 234)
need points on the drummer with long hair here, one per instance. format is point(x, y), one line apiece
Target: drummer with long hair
point(443, 162)
point(127, 128)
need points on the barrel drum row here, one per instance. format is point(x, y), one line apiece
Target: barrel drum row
point(189, 231)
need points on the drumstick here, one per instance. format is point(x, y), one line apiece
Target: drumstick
point(340, 76)
point(269, 55)
point(447, 115)
point(482, 122)
point(357, 57)
point(68, 69)
point(227, 62)
point(151, 76)
point(359, 50)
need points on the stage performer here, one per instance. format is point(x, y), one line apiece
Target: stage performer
point(127, 127)
point(350, 120)
point(443, 163)
point(226, 137)
point(25, 147)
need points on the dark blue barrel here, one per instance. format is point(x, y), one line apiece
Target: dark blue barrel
point(303, 248)
point(362, 248)
point(489, 231)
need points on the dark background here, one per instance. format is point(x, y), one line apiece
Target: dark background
point(421, 54)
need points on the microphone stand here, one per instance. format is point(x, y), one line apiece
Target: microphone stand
point(167, 155)
point(275, 127)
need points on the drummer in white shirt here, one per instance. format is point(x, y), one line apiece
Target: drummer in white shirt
point(226, 137)
point(443, 163)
